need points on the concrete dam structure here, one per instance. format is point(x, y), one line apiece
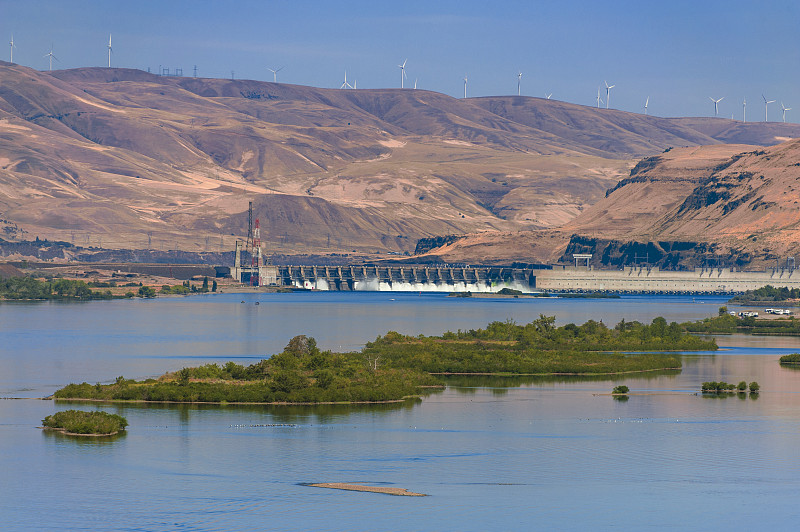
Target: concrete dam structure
point(408, 278)
point(640, 279)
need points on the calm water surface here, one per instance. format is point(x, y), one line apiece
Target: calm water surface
point(491, 453)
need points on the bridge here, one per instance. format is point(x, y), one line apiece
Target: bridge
point(406, 277)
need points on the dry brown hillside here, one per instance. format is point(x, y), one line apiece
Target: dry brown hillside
point(736, 204)
point(121, 158)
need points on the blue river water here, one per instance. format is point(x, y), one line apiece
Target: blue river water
point(491, 454)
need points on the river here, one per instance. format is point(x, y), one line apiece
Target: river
point(490, 453)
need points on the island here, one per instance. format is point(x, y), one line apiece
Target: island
point(81, 423)
point(790, 360)
point(728, 324)
point(767, 295)
point(397, 367)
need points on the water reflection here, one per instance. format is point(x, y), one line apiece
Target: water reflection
point(85, 441)
point(467, 383)
point(280, 414)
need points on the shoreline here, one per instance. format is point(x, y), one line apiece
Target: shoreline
point(90, 435)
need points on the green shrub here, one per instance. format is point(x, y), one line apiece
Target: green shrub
point(81, 422)
point(621, 390)
point(794, 358)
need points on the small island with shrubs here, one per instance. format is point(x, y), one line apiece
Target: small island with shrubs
point(395, 367)
point(713, 387)
point(790, 360)
point(82, 423)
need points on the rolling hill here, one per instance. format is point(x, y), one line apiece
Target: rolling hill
point(120, 158)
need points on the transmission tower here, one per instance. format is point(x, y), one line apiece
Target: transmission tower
point(256, 256)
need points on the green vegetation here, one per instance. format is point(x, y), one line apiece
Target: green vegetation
point(726, 387)
point(300, 374)
point(176, 289)
point(767, 294)
point(395, 366)
point(541, 348)
point(510, 292)
point(727, 324)
point(620, 390)
point(58, 289)
point(790, 360)
point(81, 422)
point(147, 291)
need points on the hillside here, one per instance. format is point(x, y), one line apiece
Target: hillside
point(121, 158)
point(734, 205)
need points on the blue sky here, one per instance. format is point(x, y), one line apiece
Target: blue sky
point(676, 52)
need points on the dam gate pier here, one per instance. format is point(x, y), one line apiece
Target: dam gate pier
point(399, 278)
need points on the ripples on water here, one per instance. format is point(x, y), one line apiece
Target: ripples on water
point(492, 453)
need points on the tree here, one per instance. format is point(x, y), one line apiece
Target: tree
point(742, 386)
point(723, 310)
point(147, 291)
point(205, 284)
point(754, 387)
point(658, 327)
point(214, 285)
point(621, 390)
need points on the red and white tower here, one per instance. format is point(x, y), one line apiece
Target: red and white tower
point(255, 277)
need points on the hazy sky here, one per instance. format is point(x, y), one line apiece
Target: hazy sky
point(676, 52)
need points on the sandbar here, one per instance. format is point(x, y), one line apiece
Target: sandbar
point(371, 489)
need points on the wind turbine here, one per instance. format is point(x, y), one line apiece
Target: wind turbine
point(465, 85)
point(345, 85)
point(744, 110)
point(647, 101)
point(784, 109)
point(109, 50)
point(599, 99)
point(415, 83)
point(519, 83)
point(548, 96)
point(608, 92)
point(402, 72)
point(275, 74)
point(51, 56)
point(12, 48)
point(766, 106)
point(715, 103)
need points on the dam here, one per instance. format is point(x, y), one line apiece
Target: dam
point(447, 278)
point(407, 278)
point(640, 279)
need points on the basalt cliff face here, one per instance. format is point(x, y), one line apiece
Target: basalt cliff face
point(730, 205)
point(120, 158)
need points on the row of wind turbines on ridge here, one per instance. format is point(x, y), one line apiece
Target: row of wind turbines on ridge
point(346, 85)
point(744, 108)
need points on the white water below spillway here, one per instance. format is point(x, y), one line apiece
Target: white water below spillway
point(375, 285)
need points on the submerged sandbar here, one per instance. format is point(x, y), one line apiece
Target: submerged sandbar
point(372, 489)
